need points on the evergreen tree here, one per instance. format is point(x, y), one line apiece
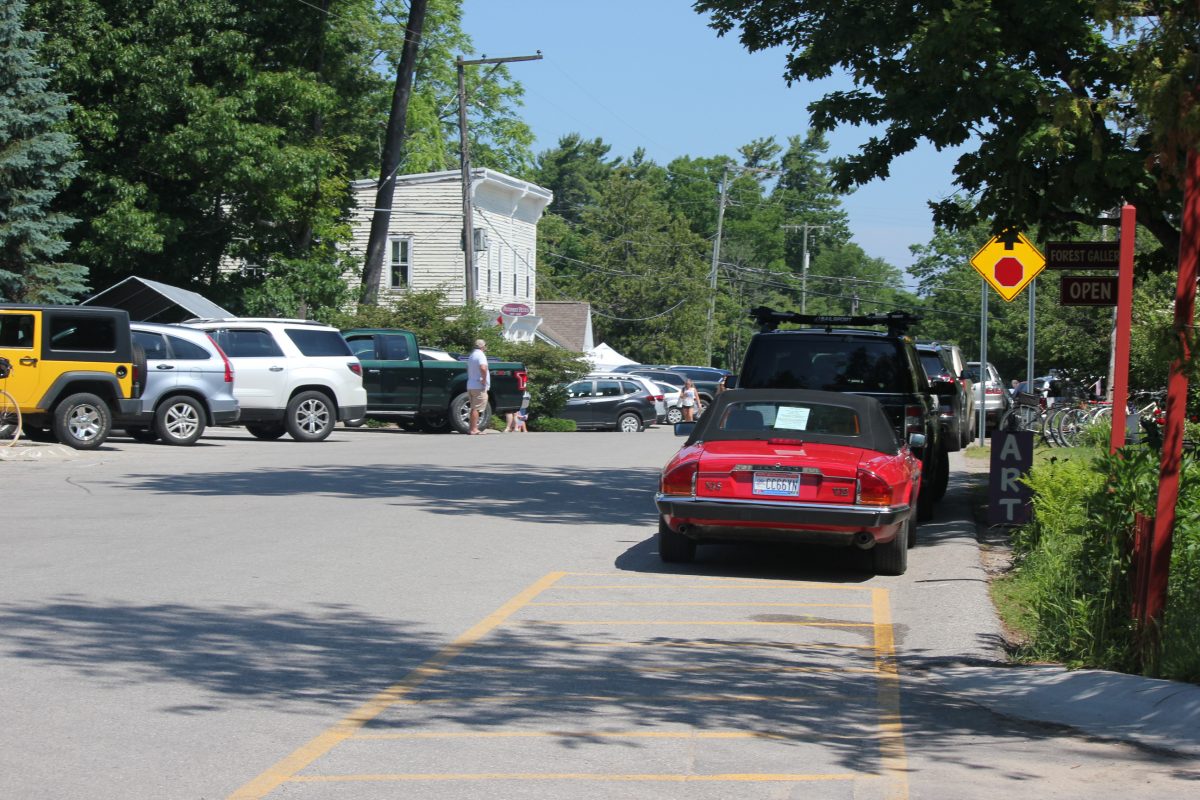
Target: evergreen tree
point(36, 163)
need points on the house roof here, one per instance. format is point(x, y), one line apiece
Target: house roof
point(566, 322)
point(151, 301)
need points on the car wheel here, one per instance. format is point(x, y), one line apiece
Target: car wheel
point(82, 421)
point(180, 420)
point(310, 417)
point(674, 416)
point(267, 431)
point(144, 435)
point(892, 558)
point(941, 476)
point(925, 498)
point(629, 423)
point(460, 414)
point(355, 423)
point(674, 548)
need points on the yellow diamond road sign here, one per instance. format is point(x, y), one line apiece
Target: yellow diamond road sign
point(1008, 262)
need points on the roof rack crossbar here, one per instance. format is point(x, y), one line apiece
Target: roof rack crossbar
point(897, 322)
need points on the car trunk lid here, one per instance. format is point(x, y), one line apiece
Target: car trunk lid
point(778, 470)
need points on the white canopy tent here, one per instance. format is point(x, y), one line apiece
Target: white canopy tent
point(603, 357)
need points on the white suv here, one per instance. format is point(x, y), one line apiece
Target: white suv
point(293, 376)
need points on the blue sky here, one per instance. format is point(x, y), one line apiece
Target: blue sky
point(653, 74)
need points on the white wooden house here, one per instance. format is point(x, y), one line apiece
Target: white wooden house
point(424, 249)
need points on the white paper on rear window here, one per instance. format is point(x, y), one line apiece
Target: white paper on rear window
point(792, 418)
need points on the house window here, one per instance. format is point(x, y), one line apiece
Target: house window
point(400, 261)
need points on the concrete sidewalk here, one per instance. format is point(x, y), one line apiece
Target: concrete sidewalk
point(1160, 714)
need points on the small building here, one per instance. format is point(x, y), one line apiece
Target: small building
point(566, 324)
point(424, 247)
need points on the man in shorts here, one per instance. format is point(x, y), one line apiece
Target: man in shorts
point(479, 380)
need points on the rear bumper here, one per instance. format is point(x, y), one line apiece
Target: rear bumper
point(705, 512)
point(352, 412)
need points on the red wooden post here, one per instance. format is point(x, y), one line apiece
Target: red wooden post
point(1124, 325)
point(1172, 453)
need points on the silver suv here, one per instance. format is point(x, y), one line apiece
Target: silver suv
point(995, 400)
point(293, 376)
point(189, 384)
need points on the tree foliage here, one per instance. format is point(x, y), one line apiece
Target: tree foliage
point(1067, 106)
point(37, 161)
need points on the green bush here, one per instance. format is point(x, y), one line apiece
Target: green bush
point(1073, 564)
point(552, 425)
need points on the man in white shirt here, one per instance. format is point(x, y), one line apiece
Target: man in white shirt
point(479, 380)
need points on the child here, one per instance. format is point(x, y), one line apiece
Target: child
point(522, 416)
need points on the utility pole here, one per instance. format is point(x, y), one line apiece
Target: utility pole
point(465, 156)
point(804, 262)
point(712, 276)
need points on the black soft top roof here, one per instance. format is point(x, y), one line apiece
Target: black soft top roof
point(875, 430)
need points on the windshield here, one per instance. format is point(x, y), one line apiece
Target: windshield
point(790, 418)
point(828, 363)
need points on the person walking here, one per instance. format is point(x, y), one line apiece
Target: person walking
point(479, 380)
point(689, 401)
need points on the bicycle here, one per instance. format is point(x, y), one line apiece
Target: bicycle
point(10, 411)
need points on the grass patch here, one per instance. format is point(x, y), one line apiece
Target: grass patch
point(1014, 601)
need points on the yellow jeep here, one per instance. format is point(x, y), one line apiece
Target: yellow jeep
point(74, 368)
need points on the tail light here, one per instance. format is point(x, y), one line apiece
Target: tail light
point(681, 480)
point(522, 380)
point(992, 391)
point(225, 358)
point(355, 367)
point(914, 419)
point(872, 490)
point(658, 398)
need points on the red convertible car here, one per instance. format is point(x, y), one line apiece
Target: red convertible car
point(792, 465)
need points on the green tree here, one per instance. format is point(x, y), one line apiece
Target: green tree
point(574, 170)
point(36, 163)
point(1070, 106)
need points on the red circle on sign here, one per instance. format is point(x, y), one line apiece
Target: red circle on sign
point(1009, 271)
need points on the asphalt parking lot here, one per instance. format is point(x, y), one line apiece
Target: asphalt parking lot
point(390, 614)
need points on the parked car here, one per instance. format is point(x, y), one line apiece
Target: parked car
point(660, 406)
point(189, 385)
point(851, 359)
point(677, 379)
point(74, 370)
point(995, 400)
point(428, 393)
point(706, 379)
point(613, 403)
point(293, 376)
point(792, 465)
point(672, 402)
point(956, 406)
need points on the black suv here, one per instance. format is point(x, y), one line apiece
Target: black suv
point(609, 403)
point(954, 395)
point(873, 363)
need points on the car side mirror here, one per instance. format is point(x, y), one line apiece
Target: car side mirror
point(916, 440)
point(684, 428)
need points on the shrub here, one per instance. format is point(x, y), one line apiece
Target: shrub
point(552, 425)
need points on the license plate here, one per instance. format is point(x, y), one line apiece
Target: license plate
point(777, 484)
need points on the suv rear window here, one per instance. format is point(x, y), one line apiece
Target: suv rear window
point(931, 360)
point(92, 334)
point(828, 363)
point(318, 343)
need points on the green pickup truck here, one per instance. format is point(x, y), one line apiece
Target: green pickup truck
point(427, 394)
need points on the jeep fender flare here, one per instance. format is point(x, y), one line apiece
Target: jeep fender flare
point(103, 384)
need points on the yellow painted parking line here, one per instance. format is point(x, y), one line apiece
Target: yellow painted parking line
point(669, 580)
point(765, 735)
point(891, 729)
point(514, 699)
point(701, 645)
point(696, 623)
point(750, 777)
point(286, 769)
point(591, 670)
point(685, 605)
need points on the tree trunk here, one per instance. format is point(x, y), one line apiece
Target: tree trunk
point(393, 148)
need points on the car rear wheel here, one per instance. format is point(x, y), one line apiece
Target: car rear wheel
point(310, 417)
point(267, 431)
point(460, 414)
point(180, 420)
point(433, 423)
point(925, 499)
point(629, 423)
point(674, 415)
point(892, 558)
point(941, 476)
point(144, 435)
point(82, 421)
point(673, 547)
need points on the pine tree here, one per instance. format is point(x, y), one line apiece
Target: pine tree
point(36, 163)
